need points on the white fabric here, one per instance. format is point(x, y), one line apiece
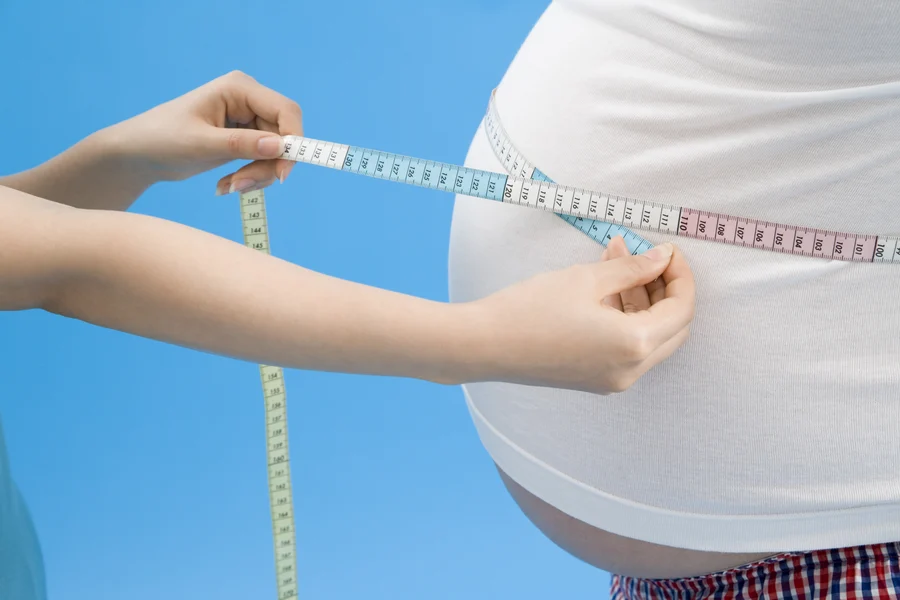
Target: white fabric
point(777, 426)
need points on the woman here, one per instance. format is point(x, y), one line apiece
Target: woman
point(773, 433)
point(69, 248)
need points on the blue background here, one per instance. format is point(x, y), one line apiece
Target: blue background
point(144, 463)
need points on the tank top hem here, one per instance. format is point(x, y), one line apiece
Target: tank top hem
point(692, 531)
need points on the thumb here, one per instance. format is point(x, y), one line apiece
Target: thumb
point(622, 274)
point(250, 144)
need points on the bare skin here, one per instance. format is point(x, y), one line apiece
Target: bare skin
point(71, 247)
point(618, 554)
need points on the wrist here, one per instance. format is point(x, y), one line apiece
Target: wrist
point(95, 173)
point(473, 347)
point(111, 149)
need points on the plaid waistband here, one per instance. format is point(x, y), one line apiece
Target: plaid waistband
point(870, 572)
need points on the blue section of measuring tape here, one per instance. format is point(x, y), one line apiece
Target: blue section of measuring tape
point(601, 231)
point(440, 176)
point(471, 182)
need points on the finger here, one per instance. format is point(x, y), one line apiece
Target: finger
point(251, 144)
point(282, 167)
point(246, 99)
point(656, 289)
point(676, 310)
point(241, 186)
point(612, 300)
point(625, 273)
point(264, 125)
point(665, 350)
point(659, 355)
point(637, 298)
point(256, 175)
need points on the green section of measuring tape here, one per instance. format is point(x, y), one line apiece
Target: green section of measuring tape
point(281, 500)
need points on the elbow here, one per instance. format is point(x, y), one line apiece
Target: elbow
point(53, 298)
point(41, 292)
point(42, 254)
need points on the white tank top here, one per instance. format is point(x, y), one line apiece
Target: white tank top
point(776, 427)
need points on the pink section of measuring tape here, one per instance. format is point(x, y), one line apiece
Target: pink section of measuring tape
point(773, 236)
point(699, 224)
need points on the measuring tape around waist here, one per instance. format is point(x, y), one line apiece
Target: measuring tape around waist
point(515, 164)
point(600, 215)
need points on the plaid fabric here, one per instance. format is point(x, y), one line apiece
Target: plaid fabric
point(857, 573)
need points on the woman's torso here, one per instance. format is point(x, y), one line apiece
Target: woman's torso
point(775, 427)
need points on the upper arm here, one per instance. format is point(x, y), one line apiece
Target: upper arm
point(36, 249)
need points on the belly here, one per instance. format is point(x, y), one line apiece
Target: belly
point(619, 554)
point(719, 431)
point(773, 428)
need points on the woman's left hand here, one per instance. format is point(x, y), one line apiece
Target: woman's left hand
point(231, 117)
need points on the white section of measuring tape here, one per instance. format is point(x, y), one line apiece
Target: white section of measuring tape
point(600, 209)
point(281, 500)
point(516, 164)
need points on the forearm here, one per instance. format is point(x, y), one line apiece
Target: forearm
point(90, 174)
point(172, 283)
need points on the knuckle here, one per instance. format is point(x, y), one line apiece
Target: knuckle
point(620, 383)
point(638, 346)
point(644, 347)
point(630, 307)
point(239, 75)
point(234, 143)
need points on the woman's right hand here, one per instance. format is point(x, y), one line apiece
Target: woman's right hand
point(591, 327)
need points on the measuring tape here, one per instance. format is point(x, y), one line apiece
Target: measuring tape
point(281, 500)
point(515, 164)
point(600, 215)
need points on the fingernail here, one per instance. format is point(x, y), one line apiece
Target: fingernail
point(662, 252)
point(240, 185)
point(285, 171)
point(270, 146)
point(222, 188)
